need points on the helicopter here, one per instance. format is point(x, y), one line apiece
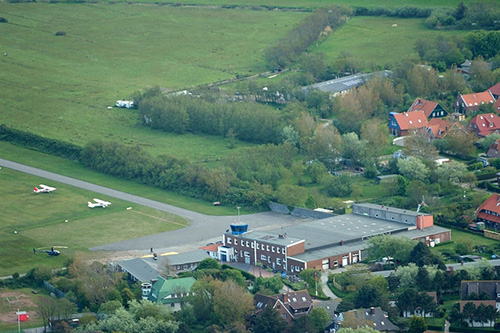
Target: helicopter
point(51, 252)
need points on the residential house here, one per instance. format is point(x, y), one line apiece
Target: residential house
point(495, 90)
point(373, 317)
point(171, 292)
point(437, 128)
point(496, 106)
point(465, 67)
point(471, 102)
point(291, 305)
point(406, 123)
point(484, 124)
point(485, 292)
point(489, 211)
point(494, 149)
point(431, 109)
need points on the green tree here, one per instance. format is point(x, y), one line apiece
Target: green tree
point(208, 263)
point(319, 318)
point(269, 320)
point(398, 248)
point(268, 286)
point(412, 168)
point(367, 296)
point(417, 325)
point(423, 280)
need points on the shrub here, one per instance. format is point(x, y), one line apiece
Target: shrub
point(61, 33)
point(3, 20)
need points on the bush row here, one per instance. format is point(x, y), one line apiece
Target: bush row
point(40, 143)
point(402, 12)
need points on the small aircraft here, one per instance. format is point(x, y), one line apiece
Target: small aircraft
point(50, 252)
point(99, 203)
point(43, 189)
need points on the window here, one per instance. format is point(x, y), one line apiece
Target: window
point(248, 244)
point(335, 263)
point(297, 268)
point(278, 261)
point(278, 249)
point(252, 243)
point(235, 242)
point(263, 257)
point(267, 247)
point(273, 249)
point(229, 241)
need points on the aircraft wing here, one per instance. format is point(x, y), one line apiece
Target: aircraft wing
point(47, 188)
point(102, 202)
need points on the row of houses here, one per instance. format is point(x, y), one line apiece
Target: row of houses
point(430, 116)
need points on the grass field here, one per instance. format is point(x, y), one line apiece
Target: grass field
point(61, 86)
point(373, 40)
point(30, 220)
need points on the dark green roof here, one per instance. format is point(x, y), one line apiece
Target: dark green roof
point(171, 290)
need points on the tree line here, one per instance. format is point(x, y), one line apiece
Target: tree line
point(252, 122)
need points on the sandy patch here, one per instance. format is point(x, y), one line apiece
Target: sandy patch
point(11, 301)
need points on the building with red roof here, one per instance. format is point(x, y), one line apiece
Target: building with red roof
point(484, 124)
point(401, 124)
point(431, 109)
point(437, 128)
point(493, 150)
point(489, 211)
point(495, 90)
point(212, 250)
point(470, 102)
point(496, 106)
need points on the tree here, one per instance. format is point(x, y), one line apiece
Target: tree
point(268, 286)
point(208, 263)
point(469, 312)
point(423, 281)
point(367, 296)
point(481, 76)
point(412, 168)
point(376, 135)
point(417, 325)
point(353, 148)
point(398, 248)
point(231, 303)
point(418, 145)
point(269, 320)
point(407, 301)
point(365, 329)
point(320, 318)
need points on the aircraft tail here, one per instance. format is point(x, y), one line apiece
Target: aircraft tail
point(35, 189)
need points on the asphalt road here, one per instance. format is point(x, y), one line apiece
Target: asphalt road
point(202, 228)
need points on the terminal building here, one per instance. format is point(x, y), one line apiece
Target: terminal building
point(326, 243)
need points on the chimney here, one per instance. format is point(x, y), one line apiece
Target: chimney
point(372, 311)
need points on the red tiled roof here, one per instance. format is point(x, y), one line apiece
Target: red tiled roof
point(484, 124)
point(495, 90)
point(493, 150)
point(438, 127)
point(423, 105)
point(474, 100)
point(211, 247)
point(491, 204)
point(407, 120)
point(496, 105)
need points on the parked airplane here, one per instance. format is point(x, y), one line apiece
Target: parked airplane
point(43, 189)
point(99, 203)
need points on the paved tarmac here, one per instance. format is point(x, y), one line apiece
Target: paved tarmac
point(202, 229)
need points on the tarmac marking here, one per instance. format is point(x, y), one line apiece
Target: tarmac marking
point(161, 254)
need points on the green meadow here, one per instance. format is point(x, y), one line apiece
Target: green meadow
point(30, 220)
point(374, 40)
point(61, 86)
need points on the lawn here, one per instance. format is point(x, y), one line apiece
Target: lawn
point(30, 220)
point(374, 41)
point(61, 86)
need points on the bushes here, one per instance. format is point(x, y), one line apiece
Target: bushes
point(61, 33)
point(402, 12)
point(3, 20)
point(40, 143)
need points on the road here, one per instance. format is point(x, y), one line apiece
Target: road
point(202, 228)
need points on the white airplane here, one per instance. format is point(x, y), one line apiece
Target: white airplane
point(99, 203)
point(43, 189)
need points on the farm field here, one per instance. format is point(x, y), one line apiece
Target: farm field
point(61, 86)
point(31, 220)
point(374, 41)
